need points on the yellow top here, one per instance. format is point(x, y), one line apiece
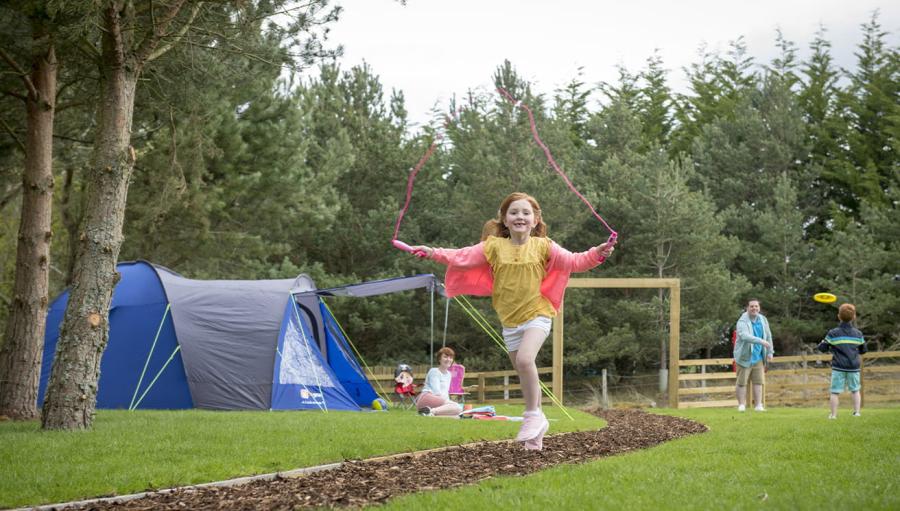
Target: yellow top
point(518, 272)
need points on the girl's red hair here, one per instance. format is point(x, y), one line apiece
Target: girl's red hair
point(495, 227)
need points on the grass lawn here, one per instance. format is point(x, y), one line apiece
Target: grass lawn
point(784, 458)
point(129, 452)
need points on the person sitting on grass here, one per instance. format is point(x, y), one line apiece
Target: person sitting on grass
point(434, 396)
point(846, 344)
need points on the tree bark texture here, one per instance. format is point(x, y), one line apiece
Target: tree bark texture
point(20, 357)
point(72, 391)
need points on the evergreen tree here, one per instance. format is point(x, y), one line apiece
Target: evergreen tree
point(125, 37)
point(655, 109)
point(871, 106)
point(826, 133)
point(667, 230)
point(779, 265)
point(719, 86)
point(20, 353)
point(570, 108)
point(856, 265)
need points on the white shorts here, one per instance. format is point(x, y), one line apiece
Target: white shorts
point(513, 336)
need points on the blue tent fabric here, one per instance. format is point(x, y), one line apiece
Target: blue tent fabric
point(344, 363)
point(302, 379)
point(137, 310)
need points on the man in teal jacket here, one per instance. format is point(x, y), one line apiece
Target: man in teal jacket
point(752, 347)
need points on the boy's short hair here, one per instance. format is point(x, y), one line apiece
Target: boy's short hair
point(445, 351)
point(847, 312)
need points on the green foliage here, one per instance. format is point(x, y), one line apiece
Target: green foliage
point(775, 181)
point(668, 230)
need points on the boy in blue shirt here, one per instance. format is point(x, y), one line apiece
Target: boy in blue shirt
point(846, 344)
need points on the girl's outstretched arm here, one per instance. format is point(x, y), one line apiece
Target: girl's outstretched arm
point(456, 257)
point(421, 251)
point(605, 249)
point(562, 259)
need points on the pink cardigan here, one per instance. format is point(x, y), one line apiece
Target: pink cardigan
point(468, 271)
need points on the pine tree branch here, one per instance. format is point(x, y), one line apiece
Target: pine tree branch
point(10, 195)
point(66, 106)
point(13, 135)
point(187, 25)
point(157, 32)
point(86, 47)
point(21, 72)
point(236, 51)
point(65, 86)
point(73, 139)
point(15, 95)
point(284, 12)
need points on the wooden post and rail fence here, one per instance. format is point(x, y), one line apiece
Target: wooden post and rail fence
point(789, 379)
point(488, 387)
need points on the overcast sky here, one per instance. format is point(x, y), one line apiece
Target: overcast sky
point(434, 49)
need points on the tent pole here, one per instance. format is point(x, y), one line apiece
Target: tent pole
point(446, 315)
point(147, 362)
point(432, 322)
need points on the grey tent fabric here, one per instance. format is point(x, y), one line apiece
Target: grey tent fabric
point(228, 331)
point(380, 287)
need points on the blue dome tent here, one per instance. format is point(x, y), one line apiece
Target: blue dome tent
point(178, 343)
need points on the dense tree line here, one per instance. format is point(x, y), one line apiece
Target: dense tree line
point(769, 180)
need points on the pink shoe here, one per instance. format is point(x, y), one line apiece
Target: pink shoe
point(533, 426)
point(537, 443)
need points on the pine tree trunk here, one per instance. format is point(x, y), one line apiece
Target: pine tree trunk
point(70, 220)
point(20, 357)
point(72, 392)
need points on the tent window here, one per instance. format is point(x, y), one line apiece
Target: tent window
point(299, 364)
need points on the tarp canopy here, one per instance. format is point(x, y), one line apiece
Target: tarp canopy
point(381, 287)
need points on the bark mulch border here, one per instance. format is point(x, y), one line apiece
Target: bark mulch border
point(357, 483)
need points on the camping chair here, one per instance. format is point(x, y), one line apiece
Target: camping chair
point(404, 389)
point(457, 375)
point(405, 397)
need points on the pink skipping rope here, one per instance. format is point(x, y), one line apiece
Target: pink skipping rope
point(613, 237)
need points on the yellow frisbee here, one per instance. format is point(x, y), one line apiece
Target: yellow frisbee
point(824, 297)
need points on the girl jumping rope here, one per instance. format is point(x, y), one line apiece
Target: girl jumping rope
point(525, 273)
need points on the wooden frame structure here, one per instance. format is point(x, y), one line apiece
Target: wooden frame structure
point(674, 287)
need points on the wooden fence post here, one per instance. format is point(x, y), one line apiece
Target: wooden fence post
point(605, 402)
point(861, 393)
point(674, 340)
point(557, 384)
point(506, 388)
point(805, 379)
point(481, 398)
